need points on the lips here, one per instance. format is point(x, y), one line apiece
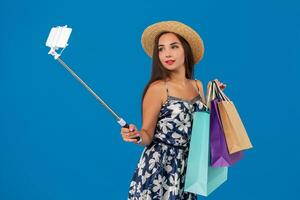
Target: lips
point(170, 62)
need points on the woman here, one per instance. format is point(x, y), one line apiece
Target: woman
point(169, 99)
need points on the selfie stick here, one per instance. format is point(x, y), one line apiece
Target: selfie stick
point(58, 38)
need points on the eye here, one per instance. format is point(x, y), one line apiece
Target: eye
point(160, 49)
point(175, 47)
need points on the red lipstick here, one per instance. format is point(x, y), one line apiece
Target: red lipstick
point(169, 62)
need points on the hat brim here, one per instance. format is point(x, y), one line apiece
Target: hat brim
point(190, 35)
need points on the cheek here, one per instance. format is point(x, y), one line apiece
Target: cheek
point(160, 56)
point(180, 56)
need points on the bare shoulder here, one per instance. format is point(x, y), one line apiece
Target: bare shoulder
point(157, 87)
point(198, 83)
point(156, 90)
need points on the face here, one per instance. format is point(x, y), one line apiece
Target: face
point(170, 52)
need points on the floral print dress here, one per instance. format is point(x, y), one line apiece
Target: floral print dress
point(160, 173)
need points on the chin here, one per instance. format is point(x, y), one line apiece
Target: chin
point(171, 68)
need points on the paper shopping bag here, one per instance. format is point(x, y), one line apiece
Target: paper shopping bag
point(219, 154)
point(201, 178)
point(235, 133)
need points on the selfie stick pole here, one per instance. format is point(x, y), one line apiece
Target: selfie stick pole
point(57, 57)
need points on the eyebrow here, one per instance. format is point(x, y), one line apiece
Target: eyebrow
point(170, 44)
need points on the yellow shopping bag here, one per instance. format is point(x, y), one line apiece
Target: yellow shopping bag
point(235, 133)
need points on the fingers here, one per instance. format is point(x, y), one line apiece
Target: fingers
point(129, 137)
point(132, 127)
point(130, 140)
point(220, 84)
point(129, 134)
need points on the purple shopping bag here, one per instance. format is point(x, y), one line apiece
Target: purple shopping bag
point(219, 155)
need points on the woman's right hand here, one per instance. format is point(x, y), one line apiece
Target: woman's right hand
point(128, 134)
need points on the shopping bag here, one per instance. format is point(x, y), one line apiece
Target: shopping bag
point(201, 178)
point(219, 155)
point(235, 133)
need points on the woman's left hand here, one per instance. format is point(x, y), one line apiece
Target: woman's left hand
point(221, 85)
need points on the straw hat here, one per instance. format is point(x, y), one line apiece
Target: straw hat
point(191, 36)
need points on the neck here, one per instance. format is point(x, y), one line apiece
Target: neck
point(178, 77)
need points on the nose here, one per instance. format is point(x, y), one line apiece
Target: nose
point(168, 53)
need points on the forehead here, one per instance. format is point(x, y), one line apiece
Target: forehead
point(168, 38)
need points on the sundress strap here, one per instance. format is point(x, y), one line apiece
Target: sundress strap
point(167, 88)
point(197, 86)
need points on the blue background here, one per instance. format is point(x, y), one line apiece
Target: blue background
point(57, 142)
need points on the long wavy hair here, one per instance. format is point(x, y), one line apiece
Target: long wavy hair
point(159, 72)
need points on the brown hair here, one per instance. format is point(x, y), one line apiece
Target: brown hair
point(159, 72)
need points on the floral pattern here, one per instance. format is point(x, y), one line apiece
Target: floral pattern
point(160, 173)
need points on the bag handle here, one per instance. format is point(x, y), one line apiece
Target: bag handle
point(220, 92)
point(211, 93)
point(208, 93)
point(215, 90)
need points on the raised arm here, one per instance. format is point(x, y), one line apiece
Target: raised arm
point(152, 103)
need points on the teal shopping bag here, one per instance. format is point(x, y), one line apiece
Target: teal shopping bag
point(201, 178)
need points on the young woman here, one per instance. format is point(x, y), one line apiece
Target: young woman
point(169, 99)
